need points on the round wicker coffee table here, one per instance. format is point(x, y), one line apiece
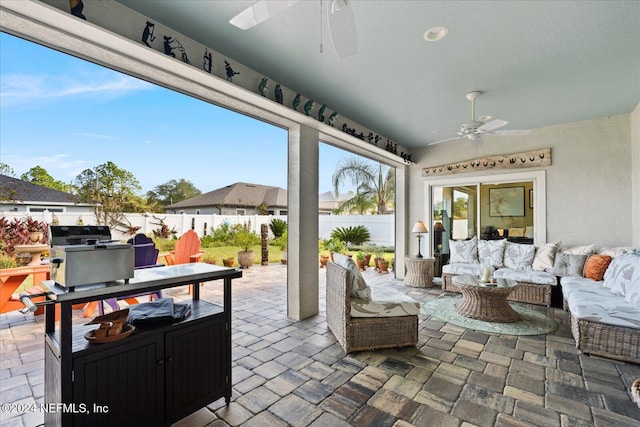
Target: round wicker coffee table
point(485, 301)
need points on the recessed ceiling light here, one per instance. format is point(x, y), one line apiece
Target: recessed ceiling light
point(436, 33)
point(485, 118)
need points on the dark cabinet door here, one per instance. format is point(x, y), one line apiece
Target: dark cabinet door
point(122, 385)
point(195, 366)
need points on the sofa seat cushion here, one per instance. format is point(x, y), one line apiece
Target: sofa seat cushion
point(385, 302)
point(462, 268)
point(528, 276)
point(590, 300)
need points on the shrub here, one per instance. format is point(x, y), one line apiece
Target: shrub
point(223, 233)
point(7, 262)
point(164, 245)
point(351, 235)
point(281, 242)
point(278, 227)
point(334, 245)
point(245, 238)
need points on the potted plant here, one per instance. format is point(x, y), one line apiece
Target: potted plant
point(335, 245)
point(228, 262)
point(281, 242)
point(360, 260)
point(245, 239)
point(383, 266)
point(209, 259)
point(324, 255)
point(35, 229)
point(378, 256)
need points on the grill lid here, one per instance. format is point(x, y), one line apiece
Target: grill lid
point(78, 234)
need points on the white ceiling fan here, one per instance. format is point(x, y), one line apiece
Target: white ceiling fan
point(476, 129)
point(339, 14)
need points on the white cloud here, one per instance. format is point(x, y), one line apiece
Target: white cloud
point(25, 89)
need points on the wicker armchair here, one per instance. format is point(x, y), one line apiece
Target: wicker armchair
point(363, 333)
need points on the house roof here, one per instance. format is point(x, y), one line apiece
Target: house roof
point(18, 191)
point(238, 194)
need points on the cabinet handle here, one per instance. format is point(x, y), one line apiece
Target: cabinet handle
point(160, 362)
point(170, 359)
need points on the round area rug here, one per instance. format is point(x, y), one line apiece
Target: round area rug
point(531, 322)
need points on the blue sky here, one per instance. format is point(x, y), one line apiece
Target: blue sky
point(67, 115)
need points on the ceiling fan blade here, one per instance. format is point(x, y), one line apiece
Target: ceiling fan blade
point(445, 140)
point(259, 12)
point(512, 132)
point(342, 28)
point(492, 125)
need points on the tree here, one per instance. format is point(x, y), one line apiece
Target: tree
point(375, 186)
point(7, 170)
point(110, 189)
point(39, 176)
point(172, 192)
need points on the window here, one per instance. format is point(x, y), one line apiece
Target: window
point(461, 209)
point(240, 212)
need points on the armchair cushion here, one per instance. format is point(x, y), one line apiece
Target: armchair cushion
point(357, 286)
point(384, 302)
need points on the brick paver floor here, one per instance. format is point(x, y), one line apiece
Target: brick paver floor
point(288, 373)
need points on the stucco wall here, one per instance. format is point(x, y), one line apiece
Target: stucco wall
point(589, 184)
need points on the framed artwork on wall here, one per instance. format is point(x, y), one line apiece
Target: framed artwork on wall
point(531, 199)
point(506, 201)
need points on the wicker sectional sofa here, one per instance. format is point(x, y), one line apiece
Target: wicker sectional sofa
point(509, 261)
point(367, 318)
point(605, 314)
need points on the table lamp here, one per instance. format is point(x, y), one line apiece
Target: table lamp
point(419, 228)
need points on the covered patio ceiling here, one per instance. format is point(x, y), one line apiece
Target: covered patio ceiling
point(539, 63)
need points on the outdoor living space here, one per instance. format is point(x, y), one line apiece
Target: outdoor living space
point(288, 372)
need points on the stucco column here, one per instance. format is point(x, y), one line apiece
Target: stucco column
point(302, 223)
point(401, 227)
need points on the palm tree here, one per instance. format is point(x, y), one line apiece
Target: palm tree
point(375, 186)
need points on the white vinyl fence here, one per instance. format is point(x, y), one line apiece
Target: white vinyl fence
point(381, 227)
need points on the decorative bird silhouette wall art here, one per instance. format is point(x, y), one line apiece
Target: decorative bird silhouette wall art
point(147, 33)
point(278, 94)
point(263, 87)
point(230, 72)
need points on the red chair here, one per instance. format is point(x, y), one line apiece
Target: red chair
point(187, 250)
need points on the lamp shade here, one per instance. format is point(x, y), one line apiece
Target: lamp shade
point(419, 227)
point(438, 226)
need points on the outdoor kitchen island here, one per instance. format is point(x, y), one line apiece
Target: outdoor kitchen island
point(155, 376)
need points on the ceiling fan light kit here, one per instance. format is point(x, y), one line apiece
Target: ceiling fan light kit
point(476, 129)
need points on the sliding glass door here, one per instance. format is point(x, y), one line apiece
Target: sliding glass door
point(490, 207)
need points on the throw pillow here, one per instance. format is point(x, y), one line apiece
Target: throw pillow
point(491, 252)
point(633, 292)
point(463, 251)
point(614, 252)
point(518, 256)
point(569, 265)
point(358, 287)
point(618, 275)
point(580, 250)
point(545, 256)
point(595, 266)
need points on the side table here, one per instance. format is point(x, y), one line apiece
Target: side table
point(419, 272)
